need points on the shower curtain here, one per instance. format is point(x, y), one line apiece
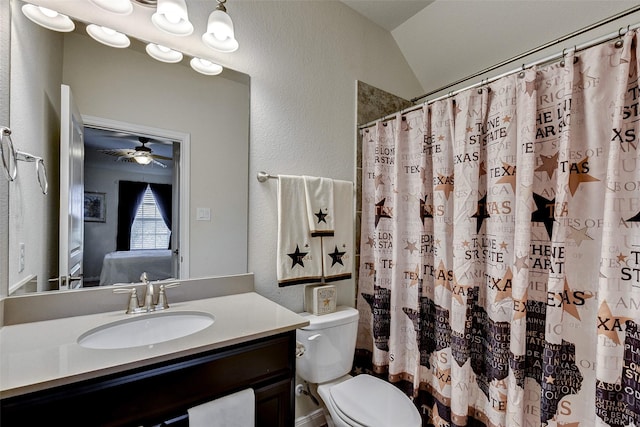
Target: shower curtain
point(499, 277)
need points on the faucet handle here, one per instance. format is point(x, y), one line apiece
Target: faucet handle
point(143, 277)
point(134, 305)
point(162, 295)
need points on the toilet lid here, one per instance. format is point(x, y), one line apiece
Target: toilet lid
point(373, 402)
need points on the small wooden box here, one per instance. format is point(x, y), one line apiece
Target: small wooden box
point(320, 299)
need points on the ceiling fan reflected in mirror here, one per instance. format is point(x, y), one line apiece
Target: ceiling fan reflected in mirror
point(142, 154)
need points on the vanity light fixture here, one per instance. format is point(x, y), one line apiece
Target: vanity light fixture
point(163, 53)
point(204, 66)
point(123, 7)
point(108, 36)
point(171, 17)
point(220, 35)
point(48, 18)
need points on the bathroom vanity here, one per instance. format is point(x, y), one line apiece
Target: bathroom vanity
point(47, 378)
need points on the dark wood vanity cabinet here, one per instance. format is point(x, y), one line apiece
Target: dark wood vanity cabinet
point(162, 393)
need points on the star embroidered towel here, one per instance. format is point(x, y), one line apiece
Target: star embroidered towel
point(319, 194)
point(338, 252)
point(299, 256)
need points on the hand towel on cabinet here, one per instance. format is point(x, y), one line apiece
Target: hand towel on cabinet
point(234, 410)
point(299, 256)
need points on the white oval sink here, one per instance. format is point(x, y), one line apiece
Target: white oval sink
point(146, 329)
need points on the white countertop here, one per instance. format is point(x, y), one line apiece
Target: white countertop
point(40, 355)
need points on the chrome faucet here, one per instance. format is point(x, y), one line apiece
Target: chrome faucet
point(149, 300)
point(151, 303)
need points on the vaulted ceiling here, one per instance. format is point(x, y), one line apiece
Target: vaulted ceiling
point(446, 40)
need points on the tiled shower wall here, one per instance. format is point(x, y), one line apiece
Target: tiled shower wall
point(373, 103)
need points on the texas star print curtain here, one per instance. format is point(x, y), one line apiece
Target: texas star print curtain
point(500, 252)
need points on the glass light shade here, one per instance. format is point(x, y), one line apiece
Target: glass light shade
point(142, 158)
point(220, 34)
point(47, 18)
point(204, 66)
point(108, 36)
point(163, 54)
point(171, 17)
point(220, 25)
point(122, 7)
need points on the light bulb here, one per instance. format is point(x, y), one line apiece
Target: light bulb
point(163, 53)
point(48, 12)
point(108, 36)
point(48, 18)
point(142, 158)
point(204, 66)
point(172, 18)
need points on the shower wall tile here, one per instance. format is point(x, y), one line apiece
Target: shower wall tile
point(373, 103)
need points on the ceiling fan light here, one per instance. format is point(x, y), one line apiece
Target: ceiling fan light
point(108, 36)
point(171, 17)
point(122, 7)
point(142, 158)
point(206, 67)
point(163, 53)
point(47, 18)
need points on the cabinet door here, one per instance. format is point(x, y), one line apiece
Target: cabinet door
point(275, 404)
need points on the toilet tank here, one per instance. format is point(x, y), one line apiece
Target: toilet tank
point(329, 343)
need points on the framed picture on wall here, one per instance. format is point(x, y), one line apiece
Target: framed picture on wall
point(95, 208)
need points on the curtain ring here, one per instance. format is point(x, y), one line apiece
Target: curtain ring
point(564, 53)
point(521, 74)
point(619, 43)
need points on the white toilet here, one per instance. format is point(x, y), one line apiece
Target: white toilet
point(329, 343)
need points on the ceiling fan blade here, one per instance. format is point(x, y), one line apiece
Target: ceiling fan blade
point(124, 152)
point(159, 157)
point(155, 162)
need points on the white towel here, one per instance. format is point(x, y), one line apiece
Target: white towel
point(338, 249)
point(235, 410)
point(299, 256)
point(320, 214)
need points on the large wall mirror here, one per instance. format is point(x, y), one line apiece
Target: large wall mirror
point(196, 127)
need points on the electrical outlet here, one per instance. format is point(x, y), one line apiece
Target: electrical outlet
point(21, 259)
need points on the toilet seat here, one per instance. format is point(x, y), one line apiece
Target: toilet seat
point(368, 401)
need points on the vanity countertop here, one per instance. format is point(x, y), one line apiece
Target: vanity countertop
point(39, 355)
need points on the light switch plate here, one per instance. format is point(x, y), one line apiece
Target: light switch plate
point(203, 214)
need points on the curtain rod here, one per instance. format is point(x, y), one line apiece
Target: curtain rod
point(559, 55)
point(535, 50)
